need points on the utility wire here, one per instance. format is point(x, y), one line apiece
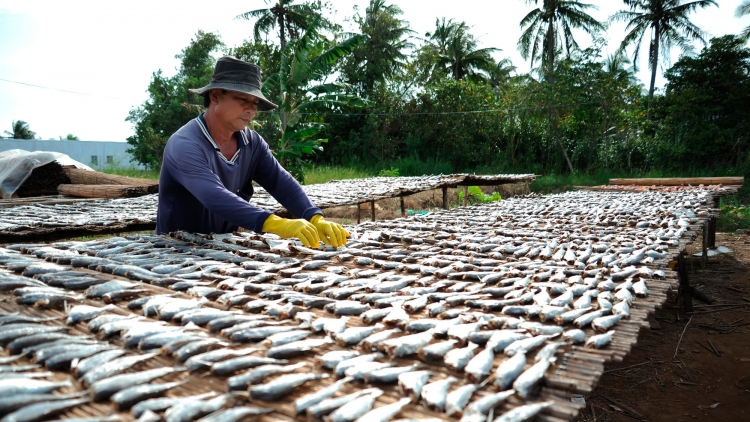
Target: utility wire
point(59, 90)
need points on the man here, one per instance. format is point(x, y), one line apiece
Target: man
point(210, 163)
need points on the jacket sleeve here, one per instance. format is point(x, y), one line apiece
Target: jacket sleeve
point(279, 183)
point(190, 167)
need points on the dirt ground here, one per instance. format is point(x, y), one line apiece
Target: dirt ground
point(694, 384)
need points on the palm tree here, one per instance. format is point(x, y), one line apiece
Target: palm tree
point(617, 66)
point(382, 55)
point(21, 130)
point(457, 54)
point(742, 10)
point(290, 18)
point(666, 22)
point(549, 29)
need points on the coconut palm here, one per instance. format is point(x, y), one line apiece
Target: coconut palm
point(549, 28)
point(382, 56)
point(617, 66)
point(291, 18)
point(742, 10)
point(21, 131)
point(668, 25)
point(457, 54)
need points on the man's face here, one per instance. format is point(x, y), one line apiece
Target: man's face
point(234, 108)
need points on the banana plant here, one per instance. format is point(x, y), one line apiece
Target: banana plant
point(305, 98)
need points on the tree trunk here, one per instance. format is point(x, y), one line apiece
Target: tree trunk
point(552, 114)
point(550, 51)
point(654, 62)
point(282, 35)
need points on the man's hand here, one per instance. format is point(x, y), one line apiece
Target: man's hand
point(330, 233)
point(286, 228)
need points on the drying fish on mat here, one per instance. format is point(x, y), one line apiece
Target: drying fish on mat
point(355, 408)
point(304, 402)
point(523, 413)
point(435, 393)
point(281, 386)
point(384, 413)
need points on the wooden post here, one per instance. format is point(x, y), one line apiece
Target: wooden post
point(687, 293)
point(359, 213)
point(403, 208)
point(445, 198)
point(712, 233)
point(466, 194)
point(704, 255)
point(372, 210)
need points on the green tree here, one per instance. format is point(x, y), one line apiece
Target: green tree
point(703, 114)
point(743, 10)
point(70, 137)
point(617, 65)
point(291, 19)
point(381, 56)
point(549, 28)
point(20, 130)
point(668, 25)
point(453, 51)
point(303, 95)
point(170, 105)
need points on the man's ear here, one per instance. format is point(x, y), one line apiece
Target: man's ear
point(213, 95)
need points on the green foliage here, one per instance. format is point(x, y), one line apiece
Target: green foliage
point(169, 105)
point(300, 90)
point(665, 23)
point(388, 173)
point(290, 19)
point(70, 137)
point(381, 56)
point(733, 216)
point(703, 116)
point(548, 30)
point(476, 195)
point(20, 130)
point(743, 10)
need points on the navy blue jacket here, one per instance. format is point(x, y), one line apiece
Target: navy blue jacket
point(200, 191)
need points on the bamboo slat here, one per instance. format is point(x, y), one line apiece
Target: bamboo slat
point(677, 181)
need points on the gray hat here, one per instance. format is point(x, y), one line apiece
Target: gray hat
point(235, 75)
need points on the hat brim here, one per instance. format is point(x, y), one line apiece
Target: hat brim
point(263, 105)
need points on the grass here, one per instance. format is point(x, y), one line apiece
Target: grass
point(322, 174)
point(734, 216)
point(132, 172)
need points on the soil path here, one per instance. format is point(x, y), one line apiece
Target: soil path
point(695, 384)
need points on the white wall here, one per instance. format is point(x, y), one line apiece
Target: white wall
point(83, 151)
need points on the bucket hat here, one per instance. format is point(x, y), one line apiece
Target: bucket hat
point(235, 75)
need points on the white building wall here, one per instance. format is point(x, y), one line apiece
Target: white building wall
point(96, 154)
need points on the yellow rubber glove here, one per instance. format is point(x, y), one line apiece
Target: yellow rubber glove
point(286, 228)
point(330, 233)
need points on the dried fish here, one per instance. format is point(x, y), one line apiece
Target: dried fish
point(355, 408)
point(523, 413)
point(303, 403)
point(126, 398)
point(281, 386)
point(435, 393)
point(259, 374)
point(105, 388)
point(599, 341)
point(457, 399)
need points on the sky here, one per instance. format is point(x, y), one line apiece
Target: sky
point(94, 59)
